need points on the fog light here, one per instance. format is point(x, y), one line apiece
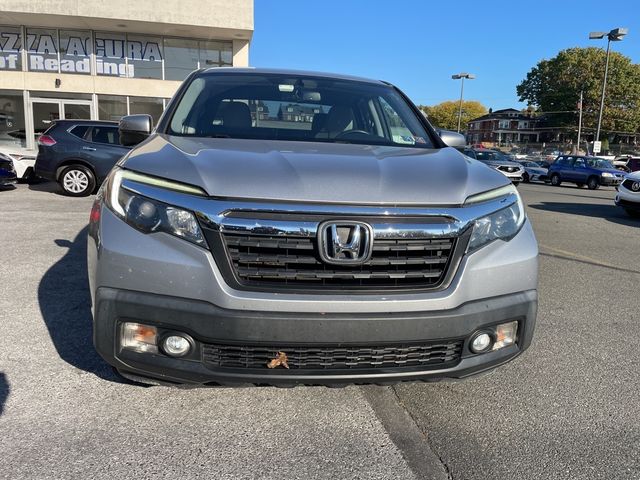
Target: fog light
point(176, 346)
point(139, 338)
point(505, 335)
point(480, 343)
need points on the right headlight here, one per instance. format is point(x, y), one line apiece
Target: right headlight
point(503, 224)
point(148, 215)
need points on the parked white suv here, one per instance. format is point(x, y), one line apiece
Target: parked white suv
point(628, 196)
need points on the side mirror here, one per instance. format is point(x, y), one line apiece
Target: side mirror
point(452, 139)
point(134, 129)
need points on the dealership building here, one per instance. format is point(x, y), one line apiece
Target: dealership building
point(81, 59)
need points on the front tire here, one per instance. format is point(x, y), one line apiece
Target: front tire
point(77, 181)
point(525, 178)
point(555, 180)
point(593, 183)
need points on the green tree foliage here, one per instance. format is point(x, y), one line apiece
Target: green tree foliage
point(445, 115)
point(554, 86)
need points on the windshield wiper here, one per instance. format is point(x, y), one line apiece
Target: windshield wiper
point(218, 135)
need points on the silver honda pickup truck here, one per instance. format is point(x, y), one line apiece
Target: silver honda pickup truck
point(296, 228)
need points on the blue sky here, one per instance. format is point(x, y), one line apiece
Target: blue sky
point(417, 45)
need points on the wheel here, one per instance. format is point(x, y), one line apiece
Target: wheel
point(632, 213)
point(555, 180)
point(77, 181)
point(593, 183)
point(525, 178)
point(580, 185)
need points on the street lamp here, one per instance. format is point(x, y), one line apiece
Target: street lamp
point(461, 76)
point(614, 35)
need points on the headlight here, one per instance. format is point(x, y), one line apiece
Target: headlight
point(148, 215)
point(607, 174)
point(503, 224)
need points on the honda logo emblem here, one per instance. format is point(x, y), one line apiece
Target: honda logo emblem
point(345, 243)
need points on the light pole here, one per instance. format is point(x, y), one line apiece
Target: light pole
point(614, 35)
point(461, 76)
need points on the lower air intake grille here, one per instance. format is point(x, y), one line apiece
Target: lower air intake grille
point(438, 354)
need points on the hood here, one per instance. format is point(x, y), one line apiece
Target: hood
point(633, 176)
point(314, 171)
point(536, 169)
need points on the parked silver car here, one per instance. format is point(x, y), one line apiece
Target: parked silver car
point(286, 228)
point(534, 172)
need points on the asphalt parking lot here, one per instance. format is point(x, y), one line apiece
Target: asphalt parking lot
point(568, 408)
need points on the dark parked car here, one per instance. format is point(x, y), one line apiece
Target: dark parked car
point(7, 172)
point(498, 161)
point(78, 154)
point(583, 170)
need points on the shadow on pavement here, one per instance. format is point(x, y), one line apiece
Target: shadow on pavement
point(42, 185)
point(65, 304)
point(610, 213)
point(4, 391)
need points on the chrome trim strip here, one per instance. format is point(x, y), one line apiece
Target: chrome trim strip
point(213, 213)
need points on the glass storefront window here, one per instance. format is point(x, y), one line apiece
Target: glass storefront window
point(12, 124)
point(42, 50)
point(111, 107)
point(150, 106)
point(180, 58)
point(75, 52)
point(111, 55)
point(10, 46)
point(144, 56)
point(215, 54)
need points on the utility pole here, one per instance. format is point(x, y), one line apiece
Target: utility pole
point(579, 122)
point(461, 76)
point(615, 35)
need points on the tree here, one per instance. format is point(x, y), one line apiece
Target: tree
point(554, 86)
point(445, 115)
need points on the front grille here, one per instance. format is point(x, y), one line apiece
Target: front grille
point(628, 184)
point(508, 169)
point(436, 354)
point(294, 262)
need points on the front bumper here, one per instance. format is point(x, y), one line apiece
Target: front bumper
point(164, 281)
point(209, 324)
point(627, 199)
point(7, 181)
point(610, 182)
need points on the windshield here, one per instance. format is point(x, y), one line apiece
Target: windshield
point(490, 156)
point(532, 165)
point(598, 163)
point(292, 107)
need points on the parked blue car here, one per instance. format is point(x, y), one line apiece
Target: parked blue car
point(7, 172)
point(583, 170)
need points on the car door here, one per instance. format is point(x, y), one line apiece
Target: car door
point(103, 146)
point(562, 166)
point(580, 172)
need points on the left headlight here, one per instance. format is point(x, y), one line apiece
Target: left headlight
point(501, 225)
point(607, 174)
point(148, 215)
